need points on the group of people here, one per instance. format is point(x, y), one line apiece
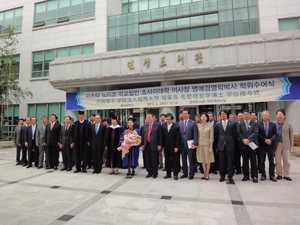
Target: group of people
point(216, 145)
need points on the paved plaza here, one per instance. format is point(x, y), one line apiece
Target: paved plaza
point(39, 196)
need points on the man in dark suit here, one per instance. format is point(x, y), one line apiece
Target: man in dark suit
point(238, 151)
point(96, 141)
point(23, 134)
point(226, 136)
point(65, 144)
point(30, 143)
point(161, 157)
point(171, 144)
point(16, 141)
point(188, 132)
point(151, 144)
point(266, 137)
point(215, 165)
point(52, 134)
point(248, 131)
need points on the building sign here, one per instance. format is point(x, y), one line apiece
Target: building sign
point(264, 90)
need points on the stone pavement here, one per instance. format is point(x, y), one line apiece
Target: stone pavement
point(39, 196)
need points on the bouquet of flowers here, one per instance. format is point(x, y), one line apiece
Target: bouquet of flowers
point(130, 138)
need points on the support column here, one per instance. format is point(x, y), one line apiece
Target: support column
point(168, 109)
point(72, 113)
point(292, 115)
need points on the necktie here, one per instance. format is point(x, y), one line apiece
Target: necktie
point(149, 131)
point(266, 129)
point(96, 128)
point(247, 125)
point(224, 126)
point(66, 128)
point(184, 128)
point(51, 126)
point(81, 122)
point(44, 127)
point(32, 132)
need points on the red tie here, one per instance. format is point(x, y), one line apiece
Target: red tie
point(81, 122)
point(51, 126)
point(149, 131)
point(184, 128)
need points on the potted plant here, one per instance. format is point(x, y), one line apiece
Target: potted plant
point(296, 147)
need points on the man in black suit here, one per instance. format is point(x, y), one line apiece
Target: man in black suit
point(96, 141)
point(171, 144)
point(226, 135)
point(52, 142)
point(215, 165)
point(267, 136)
point(16, 141)
point(30, 143)
point(151, 144)
point(238, 151)
point(65, 145)
point(248, 131)
point(22, 140)
point(161, 157)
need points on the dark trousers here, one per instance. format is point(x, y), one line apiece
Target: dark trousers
point(237, 159)
point(226, 159)
point(190, 154)
point(33, 154)
point(152, 160)
point(24, 155)
point(247, 154)
point(18, 153)
point(67, 157)
point(97, 159)
point(52, 154)
point(172, 160)
point(144, 158)
point(262, 156)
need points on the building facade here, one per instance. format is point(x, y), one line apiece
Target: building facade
point(87, 46)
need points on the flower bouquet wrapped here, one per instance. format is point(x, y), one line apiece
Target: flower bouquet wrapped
point(130, 138)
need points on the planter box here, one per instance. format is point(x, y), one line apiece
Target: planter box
point(296, 149)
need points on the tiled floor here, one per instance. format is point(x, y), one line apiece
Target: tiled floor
point(32, 196)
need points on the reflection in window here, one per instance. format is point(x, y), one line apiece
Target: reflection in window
point(11, 18)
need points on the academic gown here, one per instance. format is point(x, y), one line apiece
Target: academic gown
point(132, 157)
point(112, 142)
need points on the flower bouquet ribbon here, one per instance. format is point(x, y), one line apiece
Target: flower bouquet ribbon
point(131, 138)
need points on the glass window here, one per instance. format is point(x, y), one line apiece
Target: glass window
point(76, 7)
point(31, 109)
point(145, 15)
point(62, 112)
point(183, 9)
point(49, 22)
point(88, 5)
point(53, 108)
point(40, 12)
point(241, 28)
point(133, 41)
point(89, 14)
point(252, 2)
point(41, 110)
point(121, 20)
point(37, 74)
point(254, 29)
point(143, 5)
point(111, 21)
point(157, 13)
point(132, 29)
point(1, 22)
point(253, 12)
point(170, 11)
point(111, 44)
point(196, 7)
point(210, 5)
point(63, 8)
point(184, 35)
point(170, 37)
point(51, 9)
point(183, 22)
point(163, 3)
point(157, 39)
point(111, 32)
point(76, 17)
point(211, 32)
point(185, 1)
point(239, 3)
point(174, 2)
point(120, 43)
point(87, 49)
point(226, 30)
point(73, 51)
point(197, 34)
point(144, 27)
point(211, 18)
point(8, 18)
point(240, 14)
point(18, 17)
point(132, 18)
point(37, 61)
point(48, 57)
point(225, 4)
point(121, 31)
point(133, 7)
point(16, 111)
point(153, 4)
point(62, 52)
point(225, 16)
point(196, 20)
point(145, 40)
point(289, 24)
point(125, 8)
point(157, 26)
point(168, 24)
